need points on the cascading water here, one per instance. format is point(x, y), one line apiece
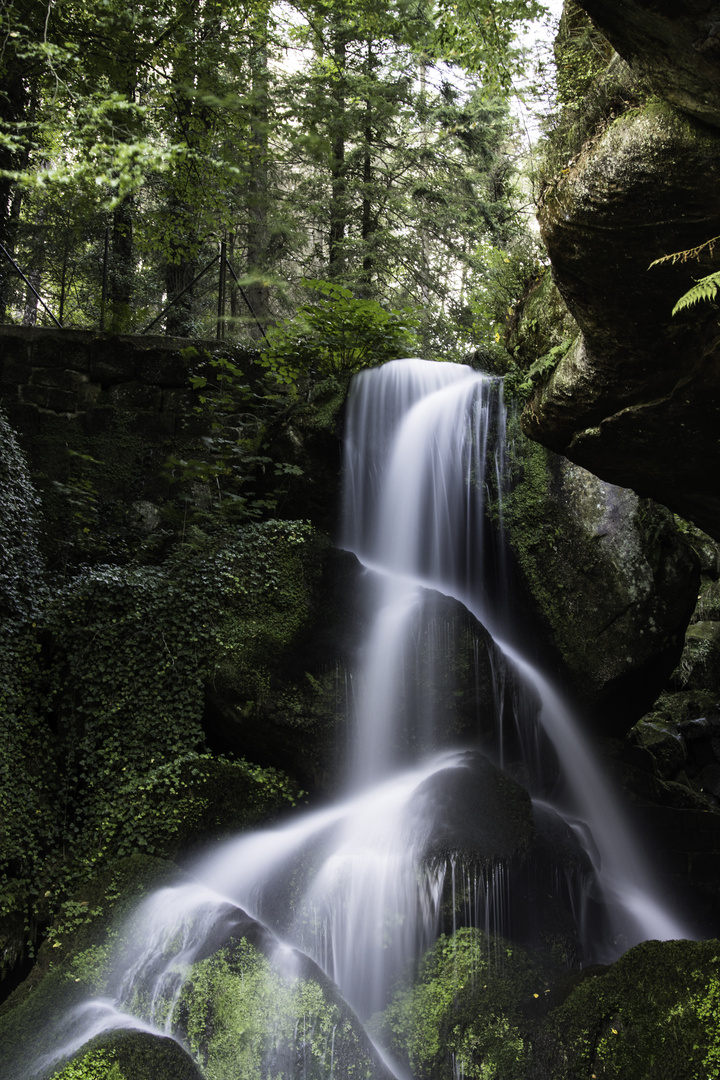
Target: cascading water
point(350, 884)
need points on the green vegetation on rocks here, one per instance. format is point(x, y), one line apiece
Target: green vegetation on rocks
point(652, 1013)
point(243, 1017)
point(468, 1011)
point(127, 655)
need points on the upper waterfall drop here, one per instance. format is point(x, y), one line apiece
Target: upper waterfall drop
point(420, 440)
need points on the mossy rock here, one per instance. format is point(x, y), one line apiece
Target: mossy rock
point(469, 1013)
point(620, 403)
point(608, 576)
point(131, 1055)
point(699, 667)
point(73, 962)
point(708, 605)
point(245, 1013)
point(652, 1013)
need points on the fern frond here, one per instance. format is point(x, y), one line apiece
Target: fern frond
point(689, 253)
point(704, 289)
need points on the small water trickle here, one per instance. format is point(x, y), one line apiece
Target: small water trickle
point(351, 885)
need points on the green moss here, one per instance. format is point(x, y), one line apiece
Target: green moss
point(651, 1014)
point(242, 1018)
point(267, 584)
point(95, 1065)
point(131, 1055)
point(469, 1012)
point(536, 526)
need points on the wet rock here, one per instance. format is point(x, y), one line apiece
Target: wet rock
point(674, 46)
point(474, 812)
point(510, 864)
point(610, 578)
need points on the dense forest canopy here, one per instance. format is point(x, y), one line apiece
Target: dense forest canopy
point(372, 145)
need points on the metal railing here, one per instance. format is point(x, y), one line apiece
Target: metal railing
point(220, 258)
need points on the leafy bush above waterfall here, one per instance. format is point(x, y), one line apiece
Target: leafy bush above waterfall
point(336, 334)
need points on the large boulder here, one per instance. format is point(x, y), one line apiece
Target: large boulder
point(673, 44)
point(509, 863)
point(653, 1012)
point(636, 400)
point(610, 578)
point(479, 1008)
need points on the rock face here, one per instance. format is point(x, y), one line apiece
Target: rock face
point(611, 579)
point(637, 398)
point(674, 44)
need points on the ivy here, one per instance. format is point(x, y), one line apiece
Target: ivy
point(237, 466)
point(122, 766)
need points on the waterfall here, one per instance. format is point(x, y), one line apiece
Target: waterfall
point(351, 884)
point(416, 509)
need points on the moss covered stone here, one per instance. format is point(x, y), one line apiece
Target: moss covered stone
point(609, 576)
point(469, 1013)
point(131, 1055)
point(652, 1013)
point(244, 1015)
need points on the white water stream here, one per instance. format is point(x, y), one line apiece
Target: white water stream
point(425, 446)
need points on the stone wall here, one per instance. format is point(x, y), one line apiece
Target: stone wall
point(82, 375)
point(99, 416)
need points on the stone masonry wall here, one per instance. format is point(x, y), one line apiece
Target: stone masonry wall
point(99, 416)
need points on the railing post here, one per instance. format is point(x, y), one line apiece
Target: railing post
point(103, 297)
point(220, 333)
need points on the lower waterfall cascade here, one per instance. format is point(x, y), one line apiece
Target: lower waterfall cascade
point(360, 886)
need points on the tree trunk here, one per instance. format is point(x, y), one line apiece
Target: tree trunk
point(257, 291)
point(181, 264)
point(15, 105)
point(122, 267)
point(368, 222)
point(338, 193)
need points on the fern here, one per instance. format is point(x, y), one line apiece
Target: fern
point(688, 253)
point(704, 289)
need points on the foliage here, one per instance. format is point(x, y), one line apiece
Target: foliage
point(337, 334)
point(27, 780)
point(521, 384)
point(465, 1013)
point(651, 1012)
point(483, 35)
point(131, 650)
point(242, 479)
point(501, 285)
point(705, 288)
point(97, 1065)
point(244, 1017)
point(135, 141)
